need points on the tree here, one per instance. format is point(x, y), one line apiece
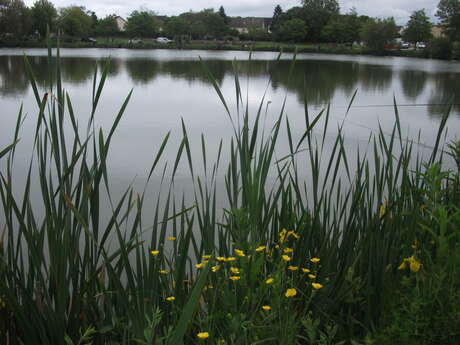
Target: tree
point(142, 24)
point(343, 28)
point(379, 32)
point(107, 26)
point(15, 18)
point(224, 15)
point(292, 30)
point(449, 15)
point(277, 14)
point(177, 26)
point(317, 13)
point(74, 21)
point(206, 23)
point(44, 15)
point(418, 28)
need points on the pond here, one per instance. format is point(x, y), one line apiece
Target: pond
point(171, 85)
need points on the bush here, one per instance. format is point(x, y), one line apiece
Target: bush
point(440, 48)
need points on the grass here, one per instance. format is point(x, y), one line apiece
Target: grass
point(362, 250)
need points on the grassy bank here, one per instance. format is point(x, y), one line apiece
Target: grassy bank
point(322, 48)
point(359, 250)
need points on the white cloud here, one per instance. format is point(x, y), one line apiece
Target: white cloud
point(400, 9)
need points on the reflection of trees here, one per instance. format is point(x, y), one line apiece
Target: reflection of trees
point(77, 69)
point(413, 83)
point(193, 71)
point(114, 66)
point(142, 71)
point(445, 91)
point(321, 78)
point(375, 77)
point(13, 79)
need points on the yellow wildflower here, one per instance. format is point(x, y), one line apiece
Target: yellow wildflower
point(290, 292)
point(207, 257)
point(234, 270)
point(305, 270)
point(210, 287)
point(412, 263)
point(154, 252)
point(220, 258)
point(269, 281)
point(163, 271)
point(266, 307)
point(215, 268)
point(315, 260)
point(293, 234)
point(203, 335)
point(288, 250)
point(239, 252)
point(293, 268)
point(200, 265)
point(311, 276)
point(260, 248)
point(283, 235)
point(170, 298)
point(230, 258)
point(171, 238)
point(316, 286)
point(286, 258)
point(277, 246)
point(235, 278)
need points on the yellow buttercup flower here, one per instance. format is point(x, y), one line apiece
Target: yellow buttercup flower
point(203, 335)
point(412, 263)
point(234, 270)
point(200, 265)
point(260, 248)
point(311, 276)
point(220, 258)
point(315, 260)
point(163, 271)
point(230, 258)
point(239, 252)
point(290, 292)
point(293, 268)
point(316, 286)
point(171, 238)
point(170, 298)
point(293, 234)
point(154, 252)
point(269, 281)
point(286, 258)
point(266, 307)
point(305, 270)
point(235, 278)
point(215, 268)
point(288, 250)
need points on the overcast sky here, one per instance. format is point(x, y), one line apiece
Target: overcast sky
point(399, 9)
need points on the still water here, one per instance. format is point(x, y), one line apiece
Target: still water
point(170, 85)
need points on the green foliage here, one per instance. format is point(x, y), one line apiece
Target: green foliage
point(295, 30)
point(317, 13)
point(15, 18)
point(141, 24)
point(107, 26)
point(440, 48)
point(379, 32)
point(75, 21)
point(418, 28)
point(456, 50)
point(177, 26)
point(449, 16)
point(44, 16)
point(224, 15)
point(277, 13)
point(206, 24)
point(343, 29)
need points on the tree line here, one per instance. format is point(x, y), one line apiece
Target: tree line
point(311, 21)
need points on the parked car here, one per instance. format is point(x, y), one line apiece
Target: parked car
point(420, 45)
point(135, 41)
point(163, 40)
point(405, 45)
point(88, 39)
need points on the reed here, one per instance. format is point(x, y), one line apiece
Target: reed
point(303, 260)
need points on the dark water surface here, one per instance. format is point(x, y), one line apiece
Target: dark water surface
point(170, 85)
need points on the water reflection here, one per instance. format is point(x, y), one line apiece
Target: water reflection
point(323, 79)
point(413, 83)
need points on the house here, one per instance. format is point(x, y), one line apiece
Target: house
point(242, 25)
point(437, 31)
point(121, 23)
